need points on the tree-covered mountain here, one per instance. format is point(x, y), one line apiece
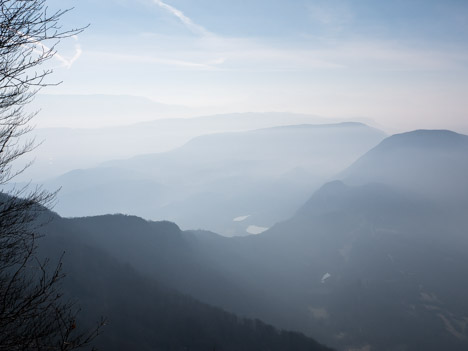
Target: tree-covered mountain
point(358, 266)
point(388, 260)
point(222, 182)
point(143, 314)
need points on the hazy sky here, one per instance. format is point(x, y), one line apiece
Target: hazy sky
point(403, 63)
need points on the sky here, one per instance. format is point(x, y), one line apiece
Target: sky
point(402, 63)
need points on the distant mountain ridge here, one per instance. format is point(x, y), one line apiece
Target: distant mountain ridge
point(87, 147)
point(375, 265)
point(431, 162)
point(368, 247)
point(263, 175)
point(143, 314)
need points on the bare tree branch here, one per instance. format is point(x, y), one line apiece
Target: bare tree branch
point(33, 313)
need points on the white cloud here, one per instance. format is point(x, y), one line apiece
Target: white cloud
point(192, 26)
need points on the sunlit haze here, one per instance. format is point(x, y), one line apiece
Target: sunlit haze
point(234, 175)
point(402, 64)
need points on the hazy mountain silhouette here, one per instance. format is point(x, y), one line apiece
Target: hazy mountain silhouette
point(433, 163)
point(212, 180)
point(386, 260)
point(141, 313)
point(64, 149)
point(356, 266)
point(389, 260)
point(373, 264)
point(100, 109)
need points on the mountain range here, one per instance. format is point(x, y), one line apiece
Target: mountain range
point(143, 314)
point(230, 183)
point(369, 262)
point(69, 147)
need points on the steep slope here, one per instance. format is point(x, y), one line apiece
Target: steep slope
point(357, 266)
point(373, 266)
point(181, 260)
point(144, 315)
point(385, 259)
point(261, 176)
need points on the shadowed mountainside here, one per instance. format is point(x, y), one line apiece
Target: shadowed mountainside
point(143, 314)
point(370, 265)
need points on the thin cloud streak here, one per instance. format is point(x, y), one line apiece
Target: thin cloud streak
point(148, 59)
point(67, 63)
point(192, 26)
point(245, 54)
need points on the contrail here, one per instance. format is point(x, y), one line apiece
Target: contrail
point(67, 63)
point(193, 27)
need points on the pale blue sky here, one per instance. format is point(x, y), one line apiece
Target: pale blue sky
point(403, 63)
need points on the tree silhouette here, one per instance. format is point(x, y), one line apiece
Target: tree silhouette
point(33, 313)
